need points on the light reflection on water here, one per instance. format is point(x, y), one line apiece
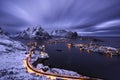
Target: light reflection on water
point(89, 64)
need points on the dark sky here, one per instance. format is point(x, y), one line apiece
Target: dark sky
point(88, 17)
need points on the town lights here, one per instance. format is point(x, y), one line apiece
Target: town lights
point(69, 45)
point(43, 46)
point(80, 49)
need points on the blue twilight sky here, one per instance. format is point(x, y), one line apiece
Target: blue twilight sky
point(88, 17)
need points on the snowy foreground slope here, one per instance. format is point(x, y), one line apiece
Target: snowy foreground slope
point(12, 54)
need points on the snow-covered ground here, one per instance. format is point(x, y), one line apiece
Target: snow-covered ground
point(59, 71)
point(12, 54)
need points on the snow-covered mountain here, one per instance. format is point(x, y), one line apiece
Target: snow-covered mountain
point(33, 33)
point(64, 33)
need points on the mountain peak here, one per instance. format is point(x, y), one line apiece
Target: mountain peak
point(34, 32)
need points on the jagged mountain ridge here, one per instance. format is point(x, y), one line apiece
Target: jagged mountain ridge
point(34, 32)
point(39, 33)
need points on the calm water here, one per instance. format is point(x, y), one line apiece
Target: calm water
point(89, 64)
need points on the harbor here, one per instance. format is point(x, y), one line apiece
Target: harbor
point(105, 50)
point(50, 73)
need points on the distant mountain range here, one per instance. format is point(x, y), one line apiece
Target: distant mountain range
point(39, 33)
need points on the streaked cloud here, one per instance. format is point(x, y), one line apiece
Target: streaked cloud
point(78, 15)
